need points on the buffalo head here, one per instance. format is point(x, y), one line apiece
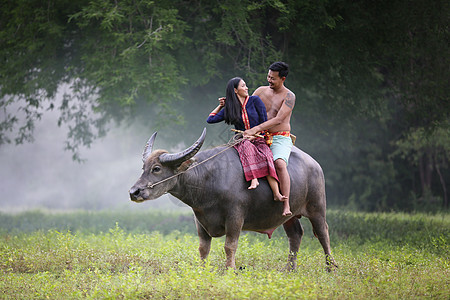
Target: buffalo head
point(159, 170)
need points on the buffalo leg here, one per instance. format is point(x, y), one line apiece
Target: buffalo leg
point(320, 228)
point(232, 232)
point(205, 241)
point(231, 243)
point(294, 232)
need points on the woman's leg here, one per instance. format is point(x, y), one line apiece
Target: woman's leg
point(275, 189)
point(253, 184)
point(251, 161)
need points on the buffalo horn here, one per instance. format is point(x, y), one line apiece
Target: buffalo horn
point(148, 147)
point(177, 159)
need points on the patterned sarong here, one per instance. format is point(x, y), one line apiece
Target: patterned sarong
point(256, 159)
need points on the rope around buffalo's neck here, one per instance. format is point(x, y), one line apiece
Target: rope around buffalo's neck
point(236, 139)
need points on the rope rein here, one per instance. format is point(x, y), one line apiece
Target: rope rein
point(236, 139)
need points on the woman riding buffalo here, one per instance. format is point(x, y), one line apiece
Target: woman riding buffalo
point(244, 112)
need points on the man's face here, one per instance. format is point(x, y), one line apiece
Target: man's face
point(274, 79)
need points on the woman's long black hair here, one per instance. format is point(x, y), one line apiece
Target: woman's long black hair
point(233, 108)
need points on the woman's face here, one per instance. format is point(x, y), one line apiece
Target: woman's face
point(242, 89)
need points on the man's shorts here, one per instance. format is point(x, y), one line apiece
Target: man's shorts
point(281, 147)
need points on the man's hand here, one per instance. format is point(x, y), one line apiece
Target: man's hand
point(250, 134)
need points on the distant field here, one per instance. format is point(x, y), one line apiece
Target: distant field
point(141, 255)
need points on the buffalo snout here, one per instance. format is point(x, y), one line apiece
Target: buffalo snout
point(137, 194)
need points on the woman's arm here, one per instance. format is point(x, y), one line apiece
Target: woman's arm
point(217, 113)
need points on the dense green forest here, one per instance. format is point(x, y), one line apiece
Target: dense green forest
point(371, 79)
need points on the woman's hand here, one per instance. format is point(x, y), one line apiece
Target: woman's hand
point(222, 101)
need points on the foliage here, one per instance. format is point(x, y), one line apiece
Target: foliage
point(367, 81)
point(396, 228)
point(120, 264)
point(369, 78)
point(97, 221)
point(426, 151)
point(114, 55)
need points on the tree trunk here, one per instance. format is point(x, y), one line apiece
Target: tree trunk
point(441, 178)
point(425, 173)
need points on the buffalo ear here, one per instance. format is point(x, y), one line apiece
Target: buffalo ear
point(148, 147)
point(186, 164)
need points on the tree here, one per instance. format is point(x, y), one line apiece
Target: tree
point(371, 77)
point(114, 55)
point(428, 152)
point(110, 53)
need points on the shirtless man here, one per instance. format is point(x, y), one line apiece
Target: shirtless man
point(279, 102)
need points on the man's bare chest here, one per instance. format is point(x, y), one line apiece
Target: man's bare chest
point(273, 104)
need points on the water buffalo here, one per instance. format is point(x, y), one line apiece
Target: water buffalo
point(212, 183)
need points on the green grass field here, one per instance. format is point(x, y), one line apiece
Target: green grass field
point(142, 255)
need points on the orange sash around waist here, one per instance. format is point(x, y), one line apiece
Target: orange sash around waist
point(269, 136)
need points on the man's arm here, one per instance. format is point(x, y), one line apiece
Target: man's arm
point(284, 113)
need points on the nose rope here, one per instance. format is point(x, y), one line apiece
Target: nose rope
point(236, 139)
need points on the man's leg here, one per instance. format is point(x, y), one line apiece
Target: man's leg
point(275, 189)
point(285, 184)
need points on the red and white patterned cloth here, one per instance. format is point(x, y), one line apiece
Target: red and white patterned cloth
point(256, 159)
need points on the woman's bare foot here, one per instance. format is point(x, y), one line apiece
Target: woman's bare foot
point(253, 184)
point(279, 197)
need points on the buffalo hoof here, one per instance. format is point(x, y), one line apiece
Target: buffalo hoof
point(290, 266)
point(331, 264)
